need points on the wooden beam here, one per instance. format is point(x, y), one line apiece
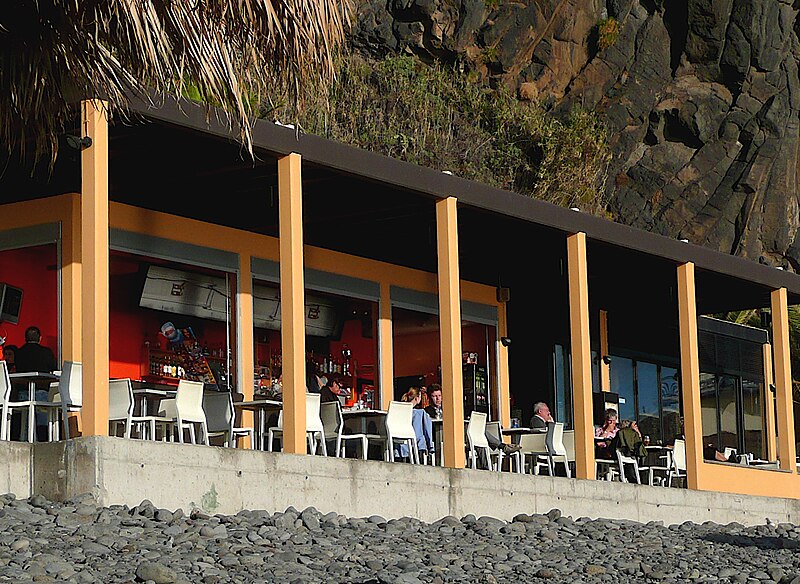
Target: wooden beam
point(503, 385)
point(450, 333)
point(245, 333)
point(605, 368)
point(581, 352)
point(292, 286)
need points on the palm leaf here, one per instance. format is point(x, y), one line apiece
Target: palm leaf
point(54, 53)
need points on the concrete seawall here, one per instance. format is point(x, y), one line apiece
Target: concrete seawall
point(224, 480)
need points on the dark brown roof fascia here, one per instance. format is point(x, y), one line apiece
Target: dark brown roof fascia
point(361, 163)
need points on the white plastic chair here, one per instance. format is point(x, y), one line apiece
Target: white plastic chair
point(534, 446)
point(495, 430)
point(678, 467)
point(221, 417)
point(568, 440)
point(186, 410)
point(333, 422)
point(314, 427)
point(120, 412)
point(69, 396)
point(478, 444)
point(399, 427)
point(557, 449)
point(623, 460)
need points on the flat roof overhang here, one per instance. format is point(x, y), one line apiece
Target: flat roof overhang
point(370, 205)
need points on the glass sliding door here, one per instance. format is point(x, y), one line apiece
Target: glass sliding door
point(728, 419)
point(753, 418)
point(563, 384)
point(647, 388)
point(622, 383)
point(708, 408)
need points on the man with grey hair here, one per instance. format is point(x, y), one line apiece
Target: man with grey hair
point(541, 416)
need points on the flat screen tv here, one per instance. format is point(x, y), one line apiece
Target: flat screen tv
point(10, 303)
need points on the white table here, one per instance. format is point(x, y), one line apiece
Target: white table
point(145, 396)
point(261, 407)
point(33, 379)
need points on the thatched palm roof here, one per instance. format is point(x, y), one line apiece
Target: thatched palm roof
point(54, 53)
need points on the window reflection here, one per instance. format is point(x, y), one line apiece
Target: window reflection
point(648, 392)
point(726, 394)
point(670, 404)
point(622, 384)
point(752, 410)
point(708, 408)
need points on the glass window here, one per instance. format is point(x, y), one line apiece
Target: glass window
point(647, 399)
point(563, 385)
point(752, 410)
point(670, 404)
point(478, 342)
point(726, 392)
point(622, 384)
point(708, 408)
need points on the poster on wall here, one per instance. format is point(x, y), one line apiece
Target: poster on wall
point(190, 361)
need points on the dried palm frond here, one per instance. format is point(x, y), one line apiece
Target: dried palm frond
point(54, 53)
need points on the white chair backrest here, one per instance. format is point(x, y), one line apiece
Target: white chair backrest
point(120, 398)
point(476, 430)
point(331, 415)
point(189, 401)
point(313, 419)
point(218, 408)
point(679, 454)
point(493, 429)
point(399, 420)
point(533, 442)
point(5, 382)
point(70, 384)
point(557, 439)
point(568, 440)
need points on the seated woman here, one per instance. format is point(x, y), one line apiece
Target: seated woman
point(607, 431)
point(423, 426)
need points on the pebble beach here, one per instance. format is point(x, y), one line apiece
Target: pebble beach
point(78, 541)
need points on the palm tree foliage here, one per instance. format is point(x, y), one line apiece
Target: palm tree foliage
point(54, 53)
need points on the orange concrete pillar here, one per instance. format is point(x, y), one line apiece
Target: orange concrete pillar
point(385, 348)
point(783, 380)
point(245, 335)
point(450, 333)
point(580, 348)
point(690, 374)
point(292, 286)
point(94, 269)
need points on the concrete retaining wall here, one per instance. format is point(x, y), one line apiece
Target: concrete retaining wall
point(224, 480)
point(16, 462)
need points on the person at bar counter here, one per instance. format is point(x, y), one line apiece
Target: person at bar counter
point(434, 408)
point(541, 416)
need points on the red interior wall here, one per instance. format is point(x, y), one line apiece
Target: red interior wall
point(131, 325)
point(35, 271)
point(418, 353)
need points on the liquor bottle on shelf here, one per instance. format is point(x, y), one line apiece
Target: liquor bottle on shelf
point(346, 354)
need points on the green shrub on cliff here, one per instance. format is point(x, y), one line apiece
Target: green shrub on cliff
point(434, 116)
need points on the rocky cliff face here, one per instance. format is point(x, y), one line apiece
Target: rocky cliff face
point(701, 96)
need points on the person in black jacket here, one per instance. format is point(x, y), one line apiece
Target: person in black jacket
point(30, 357)
point(33, 356)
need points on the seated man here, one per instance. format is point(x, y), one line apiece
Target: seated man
point(541, 416)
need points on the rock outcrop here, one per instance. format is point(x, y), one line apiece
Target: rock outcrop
point(701, 96)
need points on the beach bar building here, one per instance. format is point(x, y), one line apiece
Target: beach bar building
point(160, 227)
